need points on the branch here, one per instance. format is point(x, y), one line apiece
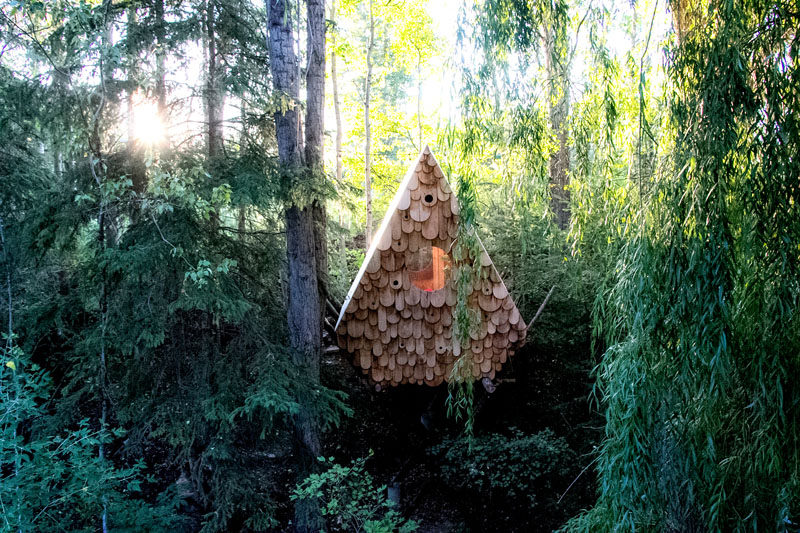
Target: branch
point(332, 307)
point(7, 261)
point(541, 308)
point(328, 326)
point(577, 478)
point(577, 35)
point(37, 44)
point(174, 248)
point(250, 232)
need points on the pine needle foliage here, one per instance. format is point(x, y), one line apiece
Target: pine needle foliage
point(166, 260)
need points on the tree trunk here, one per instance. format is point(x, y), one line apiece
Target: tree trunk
point(303, 314)
point(285, 80)
point(337, 110)
point(61, 81)
point(242, 217)
point(559, 110)
point(419, 96)
point(315, 140)
point(134, 166)
point(98, 168)
point(161, 54)
point(367, 131)
point(15, 398)
point(315, 84)
point(213, 97)
point(101, 238)
point(132, 72)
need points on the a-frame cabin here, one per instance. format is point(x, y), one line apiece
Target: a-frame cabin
point(397, 319)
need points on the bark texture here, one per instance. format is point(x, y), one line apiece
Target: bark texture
point(213, 95)
point(303, 309)
point(315, 83)
point(367, 130)
point(161, 54)
point(558, 110)
point(314, 136)
point(336, 108)
point(285, 79)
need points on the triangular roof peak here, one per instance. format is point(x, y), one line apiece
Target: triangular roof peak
point(425, 157)
point(397, 317)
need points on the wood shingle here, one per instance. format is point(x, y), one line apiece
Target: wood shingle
point(397, 319)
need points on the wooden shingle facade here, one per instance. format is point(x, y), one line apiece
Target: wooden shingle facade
point(397, 319)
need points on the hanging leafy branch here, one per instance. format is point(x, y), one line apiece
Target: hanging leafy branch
point(702, 330)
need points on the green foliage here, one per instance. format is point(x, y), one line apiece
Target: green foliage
point(58, 482)
point(406, 57)
point(344, 264)
point(466, 256)
point(350, 501)
point(461, 396)
point(145, 284)
point(466, 253)
point(148, 280)
point(701, 322)
point(510, 471)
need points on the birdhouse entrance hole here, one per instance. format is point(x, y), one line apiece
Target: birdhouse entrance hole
point(429, 268)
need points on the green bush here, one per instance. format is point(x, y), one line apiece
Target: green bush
point(516, 467)
point(349, 500)
point(59, 481)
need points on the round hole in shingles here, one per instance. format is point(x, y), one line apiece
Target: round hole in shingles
point(395, 283)
point(429, 198)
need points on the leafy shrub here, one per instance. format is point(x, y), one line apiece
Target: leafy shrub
point(349, 500)
point(517, 467)
point(58, 481)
